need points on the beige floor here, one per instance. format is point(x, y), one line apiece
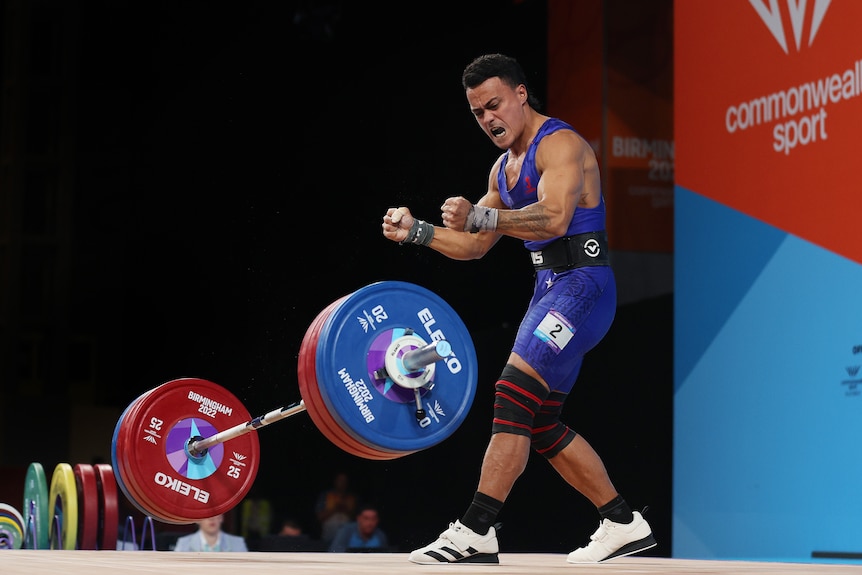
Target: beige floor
point(29, 562)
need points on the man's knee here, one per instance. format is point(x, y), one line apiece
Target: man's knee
point(549, 436)
point(517, 400)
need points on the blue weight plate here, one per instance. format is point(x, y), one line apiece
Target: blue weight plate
point(351, 349)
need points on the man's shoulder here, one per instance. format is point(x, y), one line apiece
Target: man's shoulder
point(184, 542)
point(232, 537)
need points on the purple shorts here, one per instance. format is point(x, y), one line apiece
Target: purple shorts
point(568, 315)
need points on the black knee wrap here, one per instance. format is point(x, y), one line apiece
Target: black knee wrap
point(516, 402)
point(549, 435)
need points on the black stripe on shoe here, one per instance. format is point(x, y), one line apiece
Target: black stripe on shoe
point(458, 557)
point(482, 558)
point(647, 542)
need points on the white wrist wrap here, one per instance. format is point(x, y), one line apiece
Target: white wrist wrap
point(481, 219)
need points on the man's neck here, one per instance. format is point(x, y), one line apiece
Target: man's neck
point(211, 539)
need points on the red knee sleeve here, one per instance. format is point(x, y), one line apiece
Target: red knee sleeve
point(516, 402)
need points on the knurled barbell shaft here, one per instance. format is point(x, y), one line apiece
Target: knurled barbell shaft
point(413, 360)
point(198, 447)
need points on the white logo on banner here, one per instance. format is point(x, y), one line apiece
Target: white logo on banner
point(771, 16)
point(797, 112)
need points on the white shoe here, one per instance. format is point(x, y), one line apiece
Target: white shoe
point(612, 540)
point(459, 544)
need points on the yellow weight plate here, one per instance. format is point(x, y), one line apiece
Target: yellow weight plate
point(63, 509)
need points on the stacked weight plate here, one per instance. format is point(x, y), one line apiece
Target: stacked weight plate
point(11, 527)
point(153, 467)
point(354, 402)
point(78, 509)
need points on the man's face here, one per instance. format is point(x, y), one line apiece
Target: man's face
point(367, 521)
point(499, 110)
point(211, 525)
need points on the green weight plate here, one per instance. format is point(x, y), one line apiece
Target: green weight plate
point(35, 510)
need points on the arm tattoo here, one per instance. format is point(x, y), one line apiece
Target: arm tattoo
point(534, 219)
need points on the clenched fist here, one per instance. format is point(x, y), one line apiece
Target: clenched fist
point(455, 211)
point(397, 223)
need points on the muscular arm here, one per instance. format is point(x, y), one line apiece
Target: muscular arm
point(461, 245)
point(568, 178)
point(451, 242)
point(560, 158)
point(564, 161)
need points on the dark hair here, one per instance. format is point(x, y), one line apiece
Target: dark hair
point(291, 521)
point(367, 506)
point(497, 66)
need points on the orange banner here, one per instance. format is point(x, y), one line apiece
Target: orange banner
point(768, 127)
point(611, 76)
point(575, 66)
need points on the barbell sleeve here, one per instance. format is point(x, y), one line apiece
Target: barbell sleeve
point(416, 359)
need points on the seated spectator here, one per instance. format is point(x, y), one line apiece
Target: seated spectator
point(255, 518)
point(290, 528)
point(335, 506)
point(363, 534)
point(210, 537)
point(291, 537)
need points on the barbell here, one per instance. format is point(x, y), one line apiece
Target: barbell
point(383, 372)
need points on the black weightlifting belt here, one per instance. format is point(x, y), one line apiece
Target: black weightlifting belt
point(570, 252)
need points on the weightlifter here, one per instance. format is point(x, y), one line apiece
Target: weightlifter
point(544, 189)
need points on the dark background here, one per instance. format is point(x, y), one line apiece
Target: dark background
point(188, 184)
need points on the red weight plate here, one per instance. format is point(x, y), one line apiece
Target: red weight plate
point(308, 383)
point(124, 478)
point(116, 459)
point(126, 440)
point(314, 403)
point(310, 393)
point(88, 506)
point(311, 388)
point(156, 467)
point(149, 501)
point(125, 473)
point(109, 506)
